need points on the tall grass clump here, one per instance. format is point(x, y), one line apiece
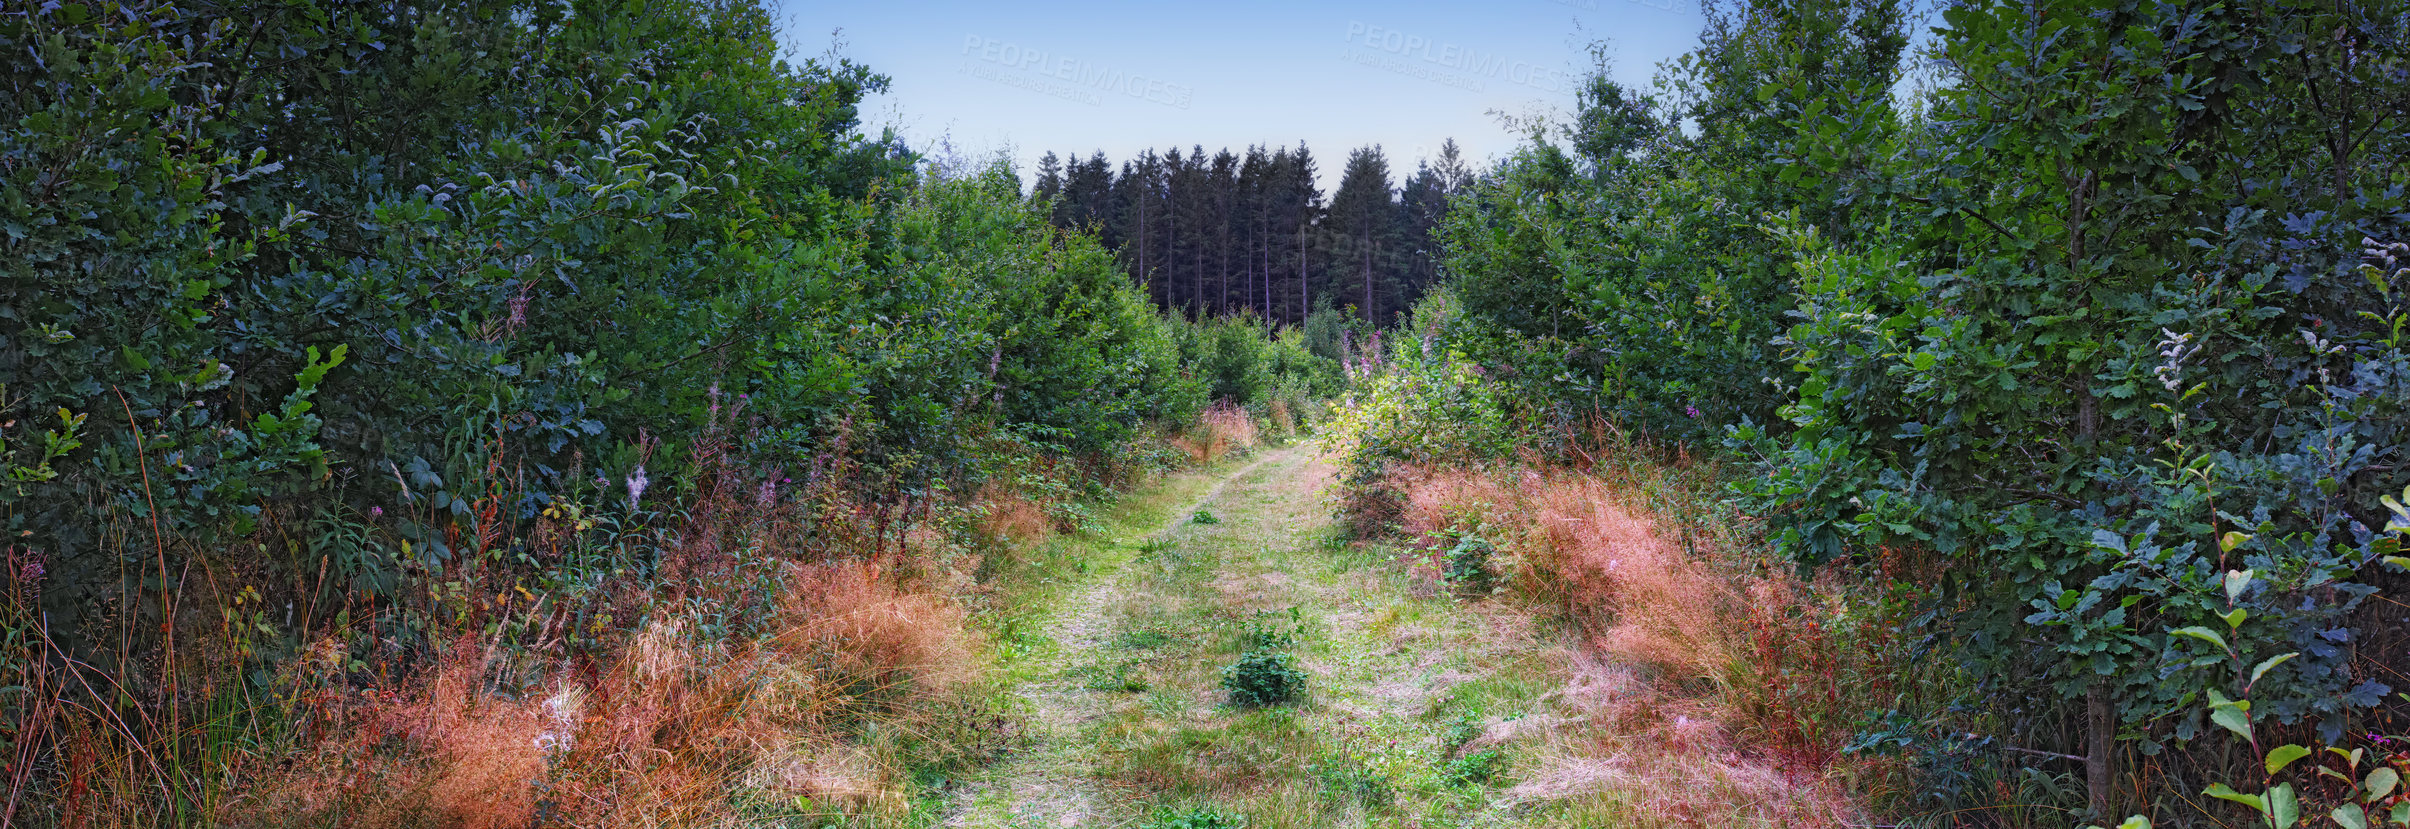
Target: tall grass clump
point(1219, 431)
point(1706, 678)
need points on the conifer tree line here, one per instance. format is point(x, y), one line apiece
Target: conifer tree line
point(1253, 233)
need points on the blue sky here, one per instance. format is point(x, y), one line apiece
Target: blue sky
point(1075, 77)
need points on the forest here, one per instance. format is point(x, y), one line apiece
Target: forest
point(1232, 234)
point(514, 414)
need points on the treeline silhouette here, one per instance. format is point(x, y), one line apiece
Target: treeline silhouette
point(1252, 232)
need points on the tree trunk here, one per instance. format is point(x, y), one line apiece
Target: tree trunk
point(2100, 714)
point(1369, 313)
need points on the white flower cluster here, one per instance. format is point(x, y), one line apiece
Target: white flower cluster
point(2174, 349)
point(560, 734)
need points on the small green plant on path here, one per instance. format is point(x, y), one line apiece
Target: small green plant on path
point(1200, 817)
point(1479, 768)
point(1266, 673)
point(1263, 678)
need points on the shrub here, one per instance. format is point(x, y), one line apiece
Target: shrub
point(1422, 404)
point(1265, 673)
point(1262, 678)
point(1468, 566)
point(2103, 339)
point(450, 330)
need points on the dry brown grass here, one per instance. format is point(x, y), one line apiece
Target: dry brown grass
point(482, 751)
point(1663, 709)
point(669, 728)
point(1220, 430)
point(800, 648)
point(880, 643)
point(855, 670)
point(1283, 421)
point(1005, 517)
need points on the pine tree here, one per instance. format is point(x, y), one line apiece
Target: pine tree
point(1254, 217)
point(1426, 204)
point(1138, 206)
point(1178, 183)
point(1050, 177)
point(1367, 219)
point(1088, 197)
point(1223, 184)
point(1304, 200)
point(1243, 233)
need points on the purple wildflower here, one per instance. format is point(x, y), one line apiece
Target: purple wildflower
point(636, 484)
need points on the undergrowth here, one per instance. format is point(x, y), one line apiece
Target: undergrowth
point(762, 651)
point(1706, 677)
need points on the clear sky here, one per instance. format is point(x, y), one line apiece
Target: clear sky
point(1076, 77)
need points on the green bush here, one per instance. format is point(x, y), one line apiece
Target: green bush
point(2227, 374)
point(1420, 404)
point(2105, 335)
point(1467, 566)
point(359, 294)
point(1265, 673)
point(1240, 362)
point(1263, 678)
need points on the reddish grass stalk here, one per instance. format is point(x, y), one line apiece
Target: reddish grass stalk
point(167, 607)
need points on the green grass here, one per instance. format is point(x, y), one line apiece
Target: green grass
point(1401, 678)
point(1346, 756)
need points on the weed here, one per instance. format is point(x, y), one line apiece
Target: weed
point(1262, 678)
point(1265, 674)
point(1204, 517)
point(1265, 632)
point(1479, 768)
point(1142, 639)
point(1462, 732)
point(1195, 817)
point(1353, 780)
point(1468, 567)
point(1124, 677)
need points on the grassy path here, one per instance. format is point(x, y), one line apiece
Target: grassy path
point(1412, 697)
point(1043, 786)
